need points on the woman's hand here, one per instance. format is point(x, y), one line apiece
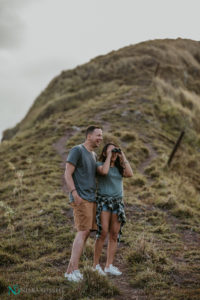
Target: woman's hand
point(128, 172)
point(122, 157)
point(109, 153)
point(104, 169)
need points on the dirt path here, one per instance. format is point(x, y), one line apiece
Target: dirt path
point(122, 282)
point(60, 147)
point(152, 154)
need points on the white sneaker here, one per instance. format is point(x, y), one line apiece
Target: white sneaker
point(78, 274)
point(112, 270)
point(74, 276)
point(99, 270)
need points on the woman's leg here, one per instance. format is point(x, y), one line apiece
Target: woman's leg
point(105, 220)
point(112, 242)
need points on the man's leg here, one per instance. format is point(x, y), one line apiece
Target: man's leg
point(77, 249)
point(83, 218)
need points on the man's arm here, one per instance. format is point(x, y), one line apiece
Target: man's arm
point(69, 170)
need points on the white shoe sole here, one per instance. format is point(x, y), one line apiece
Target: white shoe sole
point(99, 272)
point(112, 273)
point(72, 279)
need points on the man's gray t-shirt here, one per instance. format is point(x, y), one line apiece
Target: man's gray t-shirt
point(84, 173)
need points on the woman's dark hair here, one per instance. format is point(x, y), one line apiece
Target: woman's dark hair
point(102, 157)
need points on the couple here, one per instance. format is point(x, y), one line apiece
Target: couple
point(103, 212)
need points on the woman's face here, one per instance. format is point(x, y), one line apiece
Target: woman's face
point(114, 154)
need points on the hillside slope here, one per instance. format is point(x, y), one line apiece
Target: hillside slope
point(143, 96)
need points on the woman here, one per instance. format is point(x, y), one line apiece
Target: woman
point(112, 166)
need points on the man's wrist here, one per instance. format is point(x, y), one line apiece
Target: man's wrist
point(72, 190)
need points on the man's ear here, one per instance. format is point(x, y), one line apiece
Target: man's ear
point(88, 136)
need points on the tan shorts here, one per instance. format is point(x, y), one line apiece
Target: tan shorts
point(84, 215)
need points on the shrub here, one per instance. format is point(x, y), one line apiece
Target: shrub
point(127, 136)
point(138, 181)
point(7, 259)
point(168, 204)
point(3, 285)
point(183, 211)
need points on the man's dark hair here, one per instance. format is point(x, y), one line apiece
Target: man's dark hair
point(90, 129)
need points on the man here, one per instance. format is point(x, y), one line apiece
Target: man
point(81, 182)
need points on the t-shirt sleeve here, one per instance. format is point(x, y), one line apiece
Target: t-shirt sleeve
point(95, 156)
point(73, 156)
point(99, 163)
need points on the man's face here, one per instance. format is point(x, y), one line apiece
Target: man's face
point(96, 137)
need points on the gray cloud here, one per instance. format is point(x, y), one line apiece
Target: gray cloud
point(47, 67)
point(11, 23)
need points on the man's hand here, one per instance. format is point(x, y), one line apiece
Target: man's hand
point(77, 199)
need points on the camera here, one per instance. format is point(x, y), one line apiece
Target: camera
point(116, 150)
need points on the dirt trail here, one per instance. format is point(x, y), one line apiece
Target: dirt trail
point(191, 239)
point(60, 147)
point(147, 162)
point(152, 154)
point(122, 282)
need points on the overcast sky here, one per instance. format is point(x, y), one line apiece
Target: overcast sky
point(40, 38)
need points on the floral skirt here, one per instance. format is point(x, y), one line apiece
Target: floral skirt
point(113, 204)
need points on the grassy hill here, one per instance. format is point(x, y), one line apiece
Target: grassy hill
point(143, 96)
